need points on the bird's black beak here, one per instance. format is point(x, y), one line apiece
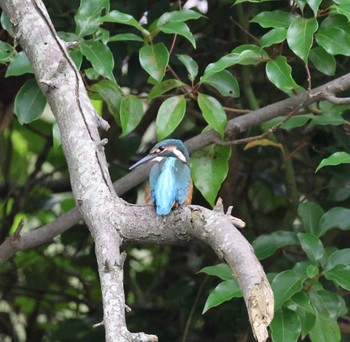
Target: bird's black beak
point(144, 160)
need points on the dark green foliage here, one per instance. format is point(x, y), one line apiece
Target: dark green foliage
point(153, 70)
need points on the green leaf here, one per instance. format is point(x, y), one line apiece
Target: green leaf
point(29, 102)
point(178, 16)
point(335, 159)
point(334, 40)
point(6, 50)
point(336, 217)
point(285, 285)
point(327, 304)
point(274, 36)
point(312, 271)
point(342, 7)
point(214, 160)
point(300, 36)
point(213, 113)
point(190, 65)
point(285, 326)
point(88, 15)
point(19, 65)
point(310, 213)
point(301, 268)
point(123, 18)
point(323, 61)
point(121, 37)
point(131, 113)
point(56, 135)
point(179, 28)
point(314, 4)
point(170, 114)
point(100, 57)
point(293, 122)
point(250, 54)
point(154, 59)
point(102, 35)
point(339, 257)
point(163, 87)
point(279, 73)
point(305, 311)
point(6, 24)
point(302, 299)
point(275, 19)
point(92, 74)
point(336, 20)
point(312, 246)
point(331, 114)
point(245, 57)
point(307, 321)
point(339, 274)
point(266, 245)
point(111, 93)
point(225, 83)
point(325, 330)
point(98, 105)
point(225, 291)
point(223, 271)
point(76, 56)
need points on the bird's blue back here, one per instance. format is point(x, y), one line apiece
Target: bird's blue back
point(169, 183)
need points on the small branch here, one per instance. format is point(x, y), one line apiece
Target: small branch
point(100, 324)
point(246, 32)
point(309, 86)
point(17, 235)
point(186, 89)
point(336, 100)
point(257, 137)
point(46, 233)
point(102, 123)
point(142, 337)
point(236, 110)
point(172, 45)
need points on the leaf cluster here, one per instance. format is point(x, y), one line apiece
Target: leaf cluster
point(156, 71)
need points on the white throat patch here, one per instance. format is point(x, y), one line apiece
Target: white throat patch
point(179, 155)
point(158, 159)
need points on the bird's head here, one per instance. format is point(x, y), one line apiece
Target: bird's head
point(165, 149)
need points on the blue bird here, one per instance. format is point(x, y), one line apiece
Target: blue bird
point(170, 183)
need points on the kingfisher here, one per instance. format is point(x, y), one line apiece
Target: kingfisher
point(170, 184)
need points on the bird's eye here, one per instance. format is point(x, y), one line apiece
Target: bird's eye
point(161, 148)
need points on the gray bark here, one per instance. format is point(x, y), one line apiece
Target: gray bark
point(110, 220)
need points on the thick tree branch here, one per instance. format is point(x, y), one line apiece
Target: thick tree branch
point(216, 229)
point(111, 221)
point(48, 232)
point(60, 81)
point(107, 217)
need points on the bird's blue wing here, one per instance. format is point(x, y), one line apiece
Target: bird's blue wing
point(182, 176)
point(163, 186)
point(169, 182)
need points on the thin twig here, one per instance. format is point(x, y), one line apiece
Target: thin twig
point(257, 137)
point(309, 86)
point(236, 110)
point(190, 316)
point(172, 45)
point(336, 100)
point(245, 31)
point(17, 235)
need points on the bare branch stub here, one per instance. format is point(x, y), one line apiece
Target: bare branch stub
point(336, 100)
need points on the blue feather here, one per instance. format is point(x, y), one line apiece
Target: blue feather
point(169, 182)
